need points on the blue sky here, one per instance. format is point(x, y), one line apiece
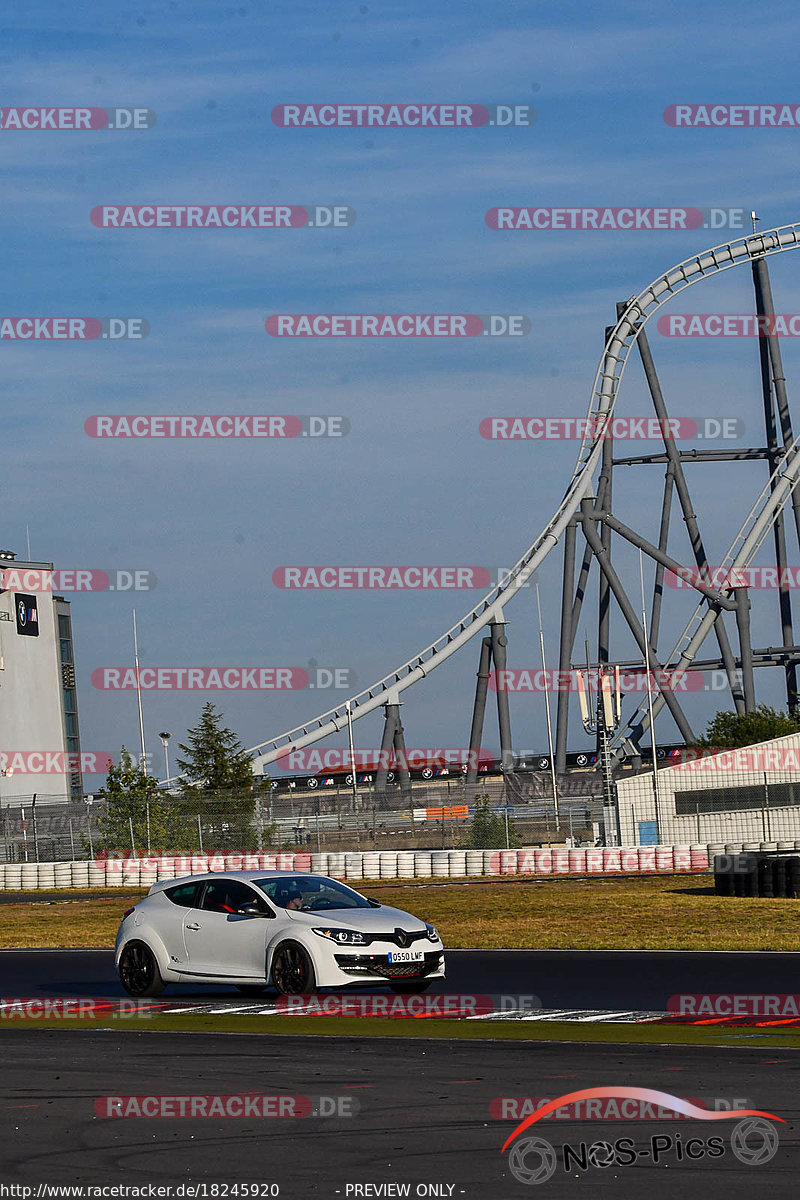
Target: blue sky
point(413, 482)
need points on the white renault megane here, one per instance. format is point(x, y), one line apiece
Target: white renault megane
point(256, 928)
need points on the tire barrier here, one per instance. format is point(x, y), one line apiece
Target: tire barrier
point(780, 878)
point(474, 862)
point(405, 864)
point(354, 866)
point(765, 873)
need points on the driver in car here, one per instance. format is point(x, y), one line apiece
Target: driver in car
point(289, 897)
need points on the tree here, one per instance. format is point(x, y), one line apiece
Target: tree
point(219, 788)
point(215, 758)
point(132, 798)
point(727, 730)
point(487, 830)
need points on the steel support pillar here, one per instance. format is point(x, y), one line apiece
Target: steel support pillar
point(743, 623)
point(641, 543)
point(499, 643)
point(663, 541)
point(628, 613)
point(689, 516)
point(401, 757)
point(583, 574)
point(493, 654)
point(391, 717)
point(565, 645)
point(764, 308)
point(479, 711)
point(604, 591)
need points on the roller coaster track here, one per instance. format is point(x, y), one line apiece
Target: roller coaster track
point(619, 343)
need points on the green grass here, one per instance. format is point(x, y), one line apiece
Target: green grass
point(361, 1027)
point(652, 913)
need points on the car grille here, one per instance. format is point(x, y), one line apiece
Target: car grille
point(379, 965)
point(400, 937)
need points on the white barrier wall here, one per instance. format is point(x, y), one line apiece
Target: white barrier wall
point(404, 864)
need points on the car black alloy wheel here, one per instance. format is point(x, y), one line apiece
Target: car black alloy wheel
point(138, 971)
point(293, 970)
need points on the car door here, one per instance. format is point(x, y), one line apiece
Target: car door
point(167, 915)
point(219, 939)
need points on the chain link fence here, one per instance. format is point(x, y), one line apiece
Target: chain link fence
point(435, 816)
point(718, 800)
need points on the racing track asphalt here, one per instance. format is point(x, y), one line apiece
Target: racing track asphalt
point(424, 1114)
point(627, 979)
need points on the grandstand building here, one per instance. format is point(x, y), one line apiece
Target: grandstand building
point(39, 735)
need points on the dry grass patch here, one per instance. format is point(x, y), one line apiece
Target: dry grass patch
point(66, 923)
point(621, 914)
point(675, 913)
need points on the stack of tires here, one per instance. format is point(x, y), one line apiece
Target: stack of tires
point(766, 875)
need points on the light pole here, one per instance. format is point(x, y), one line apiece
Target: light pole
point(89, 802)
point(352, 754)
point(603, 721)
point(165, 743)
point(143, 763)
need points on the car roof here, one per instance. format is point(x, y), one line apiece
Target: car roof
point(246, 876)
point(163, 885)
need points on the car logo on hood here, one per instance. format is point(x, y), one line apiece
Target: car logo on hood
point(401, 937)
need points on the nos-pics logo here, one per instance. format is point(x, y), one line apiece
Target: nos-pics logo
point(27, 615)
point(534, 1160)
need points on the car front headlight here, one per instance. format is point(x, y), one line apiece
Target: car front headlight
point(433, 932)
point(345, 937)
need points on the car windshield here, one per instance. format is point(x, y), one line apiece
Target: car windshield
point(310, 893)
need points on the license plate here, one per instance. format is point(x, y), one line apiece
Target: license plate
point(406, 956)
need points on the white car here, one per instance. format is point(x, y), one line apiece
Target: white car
point(253, 929)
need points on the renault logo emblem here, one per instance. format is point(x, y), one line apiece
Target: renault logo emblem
point(402, 938)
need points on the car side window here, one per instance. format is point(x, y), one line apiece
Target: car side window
point(185, 895)
point(228, 896)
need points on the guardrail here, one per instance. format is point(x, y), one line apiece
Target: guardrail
point(394, 864)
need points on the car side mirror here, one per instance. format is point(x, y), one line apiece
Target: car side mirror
point(373, 903)
point(252, 910)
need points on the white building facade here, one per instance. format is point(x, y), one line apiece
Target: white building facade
point(751, 794)
point(39, 734)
